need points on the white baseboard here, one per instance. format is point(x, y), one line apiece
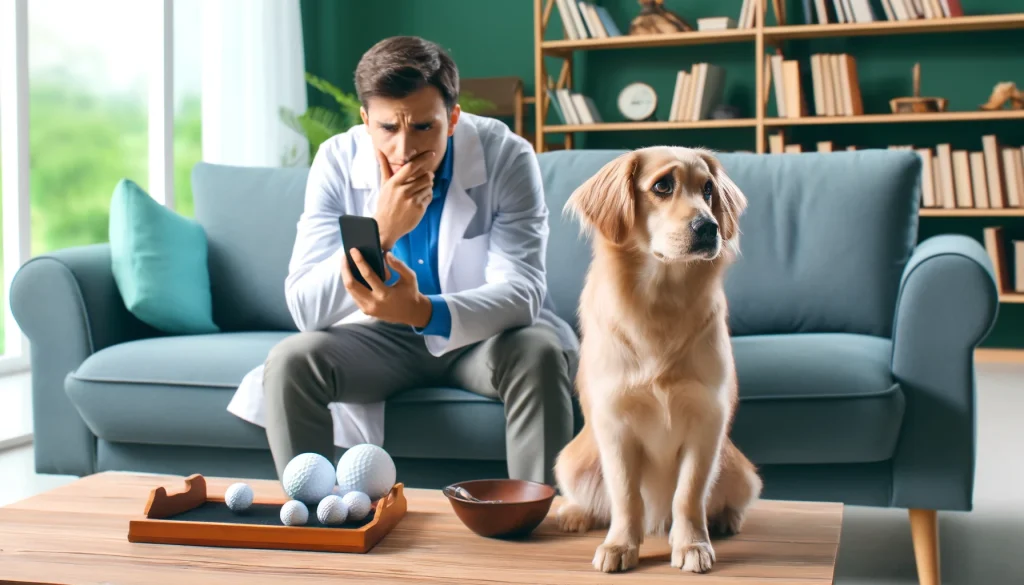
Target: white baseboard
point(15, 442)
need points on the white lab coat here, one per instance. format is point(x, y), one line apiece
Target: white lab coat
point(491, 252)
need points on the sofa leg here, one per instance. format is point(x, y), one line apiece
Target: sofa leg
point(924, 529)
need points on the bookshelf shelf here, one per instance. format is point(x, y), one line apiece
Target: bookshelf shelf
point(931, 212)
point(650, 41)
point(979, 116)
point(761, 37)
point(988, 22)
point(630, 126)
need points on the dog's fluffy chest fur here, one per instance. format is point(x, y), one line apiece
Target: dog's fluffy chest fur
point(655, 344)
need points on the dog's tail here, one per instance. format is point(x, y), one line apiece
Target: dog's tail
point(579, 477)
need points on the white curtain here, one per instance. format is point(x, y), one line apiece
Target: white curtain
point(253, 65)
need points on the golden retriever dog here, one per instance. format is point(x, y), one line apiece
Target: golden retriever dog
point(656, 380)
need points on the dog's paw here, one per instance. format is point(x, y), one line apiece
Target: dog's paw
point(573, 518)
point(726, 523)
point(611, 558)
point(696, 557)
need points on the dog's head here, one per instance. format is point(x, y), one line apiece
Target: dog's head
point(675, 203)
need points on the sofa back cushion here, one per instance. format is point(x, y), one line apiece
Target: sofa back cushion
point(824, 239)
point(250, 216)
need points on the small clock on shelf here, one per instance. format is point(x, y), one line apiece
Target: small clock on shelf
point(637, 101)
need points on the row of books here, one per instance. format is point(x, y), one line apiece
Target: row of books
point(747, 14)
point(697, 92)
point(995, 247)
point(573, 107)
point(991, 178)
point(777, 145)
point(844, 11)
point(836, 86)
point(586, 20)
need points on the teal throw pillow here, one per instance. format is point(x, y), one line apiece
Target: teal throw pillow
point(159, 263)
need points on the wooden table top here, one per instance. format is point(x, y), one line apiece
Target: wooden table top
point(78, 534)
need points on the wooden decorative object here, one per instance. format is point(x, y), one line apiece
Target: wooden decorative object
point(918, 104)
point(193, 518)
point(1004, 92)
point(655, 19)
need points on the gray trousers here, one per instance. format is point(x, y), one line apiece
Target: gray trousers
point(526, 368)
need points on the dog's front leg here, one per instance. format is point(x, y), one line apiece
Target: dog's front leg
point(691, 544)
point(620, 454)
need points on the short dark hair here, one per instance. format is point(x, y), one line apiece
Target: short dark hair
point(398, 66)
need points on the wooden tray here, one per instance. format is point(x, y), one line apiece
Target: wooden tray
point(193, 518)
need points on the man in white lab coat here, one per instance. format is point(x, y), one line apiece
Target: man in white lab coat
point(460, 208)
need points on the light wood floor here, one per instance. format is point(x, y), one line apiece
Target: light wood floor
point(983, 546)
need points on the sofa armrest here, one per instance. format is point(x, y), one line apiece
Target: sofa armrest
point(68, 306)
point(947, 304)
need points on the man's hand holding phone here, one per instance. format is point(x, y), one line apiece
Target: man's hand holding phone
point(404, 196)
point(401, 302)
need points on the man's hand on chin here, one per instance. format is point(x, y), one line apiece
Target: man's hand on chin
point(399, 303)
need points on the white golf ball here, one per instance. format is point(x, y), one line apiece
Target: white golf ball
point(366, 468)
point(238, 497)
point(332, 510)
point(309, 478)
point(294, 513)
point(358, 505)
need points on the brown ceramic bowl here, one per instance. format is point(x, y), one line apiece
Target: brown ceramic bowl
point(523, 506)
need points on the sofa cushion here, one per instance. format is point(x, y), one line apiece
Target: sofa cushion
point(159, 262)
point(175, 391)
point(824, 239)
point(250, 216)
point(171, 390)
point(816, 398)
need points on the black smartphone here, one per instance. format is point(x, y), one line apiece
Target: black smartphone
point(361, 233)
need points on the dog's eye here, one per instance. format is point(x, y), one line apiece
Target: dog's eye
point(663, 186)
point(708, 190)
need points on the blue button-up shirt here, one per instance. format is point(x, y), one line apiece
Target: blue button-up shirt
point(418, 250)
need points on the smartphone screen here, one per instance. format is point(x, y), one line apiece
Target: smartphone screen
point(361, 233)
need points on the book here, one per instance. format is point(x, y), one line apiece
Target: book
point(927, 178)
point(962, 179)
point(947, 182)
point(1013, 195)
point(607, 21)
point(993, 237)
point(993, 171)
point(557, 107)
point(781, 110)
point(979, 182)
point(716, 23)
point(1018, 265)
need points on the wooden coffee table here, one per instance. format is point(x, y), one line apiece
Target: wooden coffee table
point(78, 534)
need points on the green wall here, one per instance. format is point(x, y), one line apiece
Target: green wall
point(489, 38)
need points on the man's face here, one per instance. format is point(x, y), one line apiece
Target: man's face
point(403, 128)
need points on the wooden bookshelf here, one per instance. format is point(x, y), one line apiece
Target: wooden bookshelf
point(988, 22)
point(971, 212)
point(761, 38)
point(714, 37)
point(759, 35)
point(978, 116)
point(1011, 297)
point(623, 126)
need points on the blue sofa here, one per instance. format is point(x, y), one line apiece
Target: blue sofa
point(853, 341)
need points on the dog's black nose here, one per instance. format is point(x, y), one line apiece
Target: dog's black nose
point(705, 230)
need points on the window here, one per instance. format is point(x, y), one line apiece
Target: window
point(80, 108)
point(112, 89)
point(188, 144)
point(89, 95)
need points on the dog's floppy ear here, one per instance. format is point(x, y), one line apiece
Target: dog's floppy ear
point(729, 201)
point(605, 200)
